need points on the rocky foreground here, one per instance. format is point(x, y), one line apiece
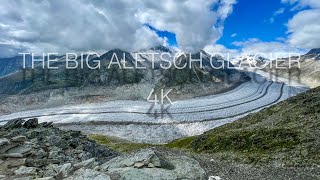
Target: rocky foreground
point(40, 151)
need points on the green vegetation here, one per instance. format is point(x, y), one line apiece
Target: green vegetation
point(118, 144)
point(286, 133)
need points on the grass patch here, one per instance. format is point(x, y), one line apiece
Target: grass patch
point(118, 144)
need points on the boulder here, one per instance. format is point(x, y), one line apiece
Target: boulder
point(153, 164)
point(12, 124)
point(24, 178)
point(46, 124)
point(141, 159)
point(15, 162)
point(12, 155)
point(45, 178)
point(51, 170)
point(19, 139)
point(160, 174)
point(5, 148)
point(39, 153)
point(22, 149)
point(88, 174)
point(40, 162)
point(86, 163)
point(31, 123)
point(53, 154)
point(23, 170)
point(64, 171)
point(4, 141)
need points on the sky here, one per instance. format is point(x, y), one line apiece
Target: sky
point(217, 26)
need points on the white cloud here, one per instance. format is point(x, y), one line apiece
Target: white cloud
point(191, 21)
point(255, 46)
point(302, 3)
point(276, 13)
point(83, 25)
point(234, 35)
point(304, 27)
point(220, 49)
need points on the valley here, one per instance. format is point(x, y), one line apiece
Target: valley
point(183, 118)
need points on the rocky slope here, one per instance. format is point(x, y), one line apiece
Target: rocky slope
point(39, 151)
point(13, 64)
point(40, 88)
point(29, 149)
point(41, 79)
point(200, 79)
point(313, 54)
point(286, 134)
point(307, 73)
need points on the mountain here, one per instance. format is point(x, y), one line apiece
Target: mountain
point(250, 61)
point(307, 73)
point(153, 57)
point(314, 51)
point(313, 54)
point(200, 80)
point(39, 79)
point(38, 87)
point(161, 48)
point(125, 74)
point(13, 64)
point(285, 134)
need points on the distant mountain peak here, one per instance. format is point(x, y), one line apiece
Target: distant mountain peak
point(161, 48)
point(314, 51)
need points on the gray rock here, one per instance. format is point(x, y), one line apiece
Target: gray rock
point(39, 153)
point(15, 162)
point(51, 170)
point(22, 149)
point(24, 178)
point(64, 170)
point(3, 177)
point(45, 178)
point(15, 123)
point(85, 163)
point(139, 165)
point(40, 162)
point(4, 141)
point(23, 170)
point(46, 124)
point(146, 174)
point(53, 154)
point(12, 155)
point(19, 139)
point(139, 160)
point(31, 123)
point(88, 174)
point(151, 164)
point(5, 148)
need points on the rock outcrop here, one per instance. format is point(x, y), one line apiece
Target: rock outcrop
point(30, 150)
point(153, 164)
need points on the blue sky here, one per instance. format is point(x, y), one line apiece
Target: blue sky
point(253, 20)
point(265, 20)
point(249, 20)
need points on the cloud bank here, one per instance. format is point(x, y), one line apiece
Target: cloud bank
point(83, 25)
point(304, 27)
